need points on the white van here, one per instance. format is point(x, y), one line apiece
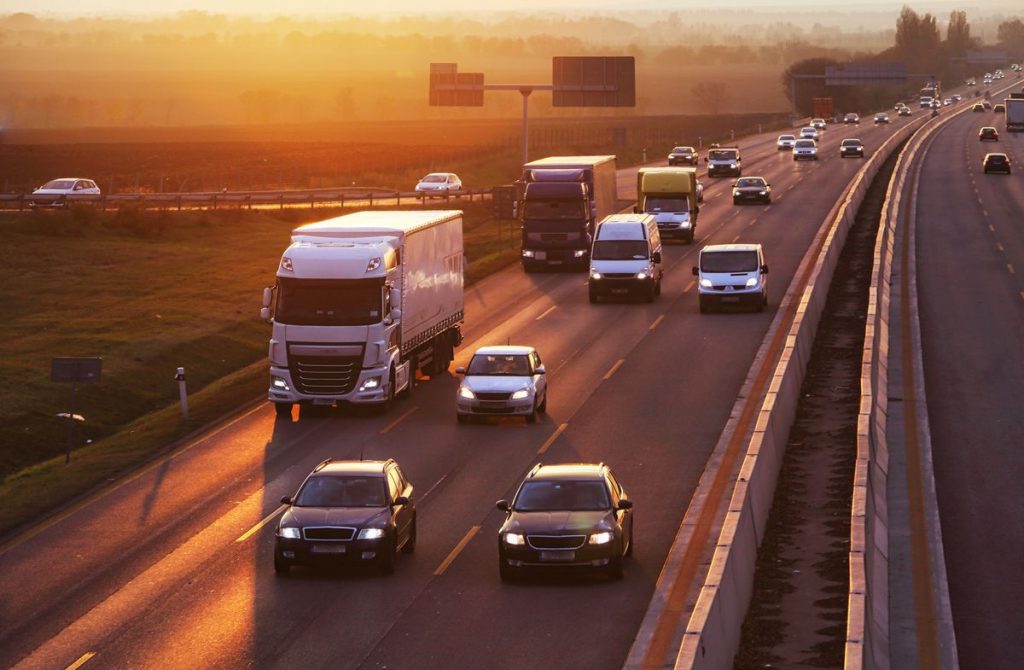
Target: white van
point(626, 257)
point(732, 274)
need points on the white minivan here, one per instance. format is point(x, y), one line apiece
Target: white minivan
point(626, 257)
point(732, 274)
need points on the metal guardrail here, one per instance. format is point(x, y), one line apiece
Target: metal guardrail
point(366, 196)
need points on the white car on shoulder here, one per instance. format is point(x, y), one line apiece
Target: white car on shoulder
point(502, 381)
point(440, 183)
point(57, 191)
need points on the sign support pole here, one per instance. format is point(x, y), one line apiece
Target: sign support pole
point(71, 423)
point(526, 123)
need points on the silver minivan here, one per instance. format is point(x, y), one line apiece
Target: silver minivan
point(732, 274)
point(626, 257)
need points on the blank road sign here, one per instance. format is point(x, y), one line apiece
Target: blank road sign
point(594, 81)
point(451, 88)
point(76, 370)
point(865, 74)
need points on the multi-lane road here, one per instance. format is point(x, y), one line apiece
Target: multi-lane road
point(970, 270)
point(172, 567)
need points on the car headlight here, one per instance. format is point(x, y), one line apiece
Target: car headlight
point(290, 532)
point(752, 282)
point(466, 392)
point(706, 283)
point(594, 274)
point(370, 384)
point(764, 193)
point(521, 394)
point(279, 383)
point(735, 192)
point(579, 253)
point(527, 253)
point(603, 537)
point(642, 274)
point(370, 534)
point(515, 539)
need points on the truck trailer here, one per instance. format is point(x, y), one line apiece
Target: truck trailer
point(1014, 115)
point(557, 231)
point(670, 194)
point(361, 303)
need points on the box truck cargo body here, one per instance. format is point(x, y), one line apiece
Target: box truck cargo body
point(555, 233)
point(670, 195)
point(362, 302)
point(1015, 113)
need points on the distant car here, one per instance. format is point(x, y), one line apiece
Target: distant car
point(55, 193)
point(502, 381)
point(809, 133)
point(947, 102)
point(996, 163)
point(805, 149)
point(818, 124)
point(999, 108)
point(977, 107)
point(851, 118)
point(683, 156)
point(851, 147)
point(988, 134)
point(904, 111)
point(752, 189)
point(986, 104)
point(936, 104)
point(957, 97)
point(881, 117)
point(347, 512)
point(785, 142)
point(573, 515)
point(441, 183)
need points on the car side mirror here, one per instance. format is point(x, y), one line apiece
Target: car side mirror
point(696, 271)
point(541, 370)
point(735, 183)
point(265, 313)
point(286, 500)
point(625, 504)
point(400, 500)
point(656, 257)
point(764, 269)
point(502, 505)
point(460, 370)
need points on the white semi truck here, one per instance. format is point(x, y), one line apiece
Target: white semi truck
point(361, 303)
point(1015, 113)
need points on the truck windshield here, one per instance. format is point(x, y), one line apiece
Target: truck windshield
point(619, 250)
point(329, 302)
point(675, 205)
point(722, 155)
point(554, 210)
point(729, 261)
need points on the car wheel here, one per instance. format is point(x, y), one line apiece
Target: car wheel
point(689, 237)
point(281, 566)
point(410, 544)
point(614, 569)
point(543, 406)
point(283, 409)
point(507, 572)
point(735, 201)
point(386, 561)
point(389, 399)
point(462, 418)
point(650, 294)
point(705, 307)
point(764, 302)
point(768, 201)
point(593, 296)
point(532, 416)
point(629, 549)
point(657, 288)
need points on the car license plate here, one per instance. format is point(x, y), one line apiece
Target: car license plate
point(734, 298)
point(322, 401)
point(554, 262)
point(558, 556)
point(328, 549)
point(620, 290)
point(541, 255)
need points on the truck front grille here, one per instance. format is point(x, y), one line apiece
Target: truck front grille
point(325, 375)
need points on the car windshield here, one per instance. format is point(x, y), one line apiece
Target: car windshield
point(61, 184)
point(329, 302)
point(654, 204)
point(435, 178)
point(805, 144)
point(728, 261)
point(682, 150)
point(556, 210)
point(786, 138)
point(499, 365)
point(562, 496)
point(342, 491)
point(851, 143)
point(751, 182)
point(619, 250)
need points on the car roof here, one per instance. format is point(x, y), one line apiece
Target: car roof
point(987, 156)
point(506, 350)
point(568, 471)
point(682, 148)
point(715, 248)
point(331, 467)
point(782, 136)
point(753, 176)
point(852, 139)
point(988, 128)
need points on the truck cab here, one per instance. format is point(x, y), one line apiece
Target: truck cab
point(672, 196)
point(557, 223)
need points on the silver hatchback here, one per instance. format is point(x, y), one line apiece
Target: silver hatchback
point(502, 381)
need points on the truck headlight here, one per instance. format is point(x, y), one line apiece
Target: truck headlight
point(370, 384)
point(527, 253)
point(706, 283)
point(521, 394)
point(752, 282)
point(466, 392)
point(289, 532)
point(603, 537)
point(515, 539)
point(279, 383)
point(579, 253)
point(370, 534)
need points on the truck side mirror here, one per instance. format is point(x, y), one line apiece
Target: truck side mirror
point(396, 314)
point(764, 269)
point(265, 313)
point(396, 296)
point(268, 296)
point(656, 257)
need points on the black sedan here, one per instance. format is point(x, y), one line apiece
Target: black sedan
point(751, 189)
point(988, 134)
point(574, 515)
point(851, 147)
point(683, 156)
point(996, 163)
point(347, 512)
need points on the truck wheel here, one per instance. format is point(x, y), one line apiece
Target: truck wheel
point(283, 409)
point(389, 399)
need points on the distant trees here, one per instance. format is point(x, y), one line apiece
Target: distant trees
point(1011, 37)
point(713, 94)
point(958, 33)
point(918, 41)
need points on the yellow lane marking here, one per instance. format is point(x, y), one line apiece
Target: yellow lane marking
point(984, 211)
point(1009, 266)
point(991, 228)
point(262, 522)
point(387, 428)
point(82, 660)
point(657, 322)
point(551, 440)
point(735, 238)
point(614, 369)
point(546, 312)
point(999, 246)
point(456, 551)
point(693, 282)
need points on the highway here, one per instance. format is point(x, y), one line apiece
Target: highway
point(172, 566)
point(970, 270)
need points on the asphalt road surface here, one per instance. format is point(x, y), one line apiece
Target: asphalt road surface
point(970, 268)
point(171, 569)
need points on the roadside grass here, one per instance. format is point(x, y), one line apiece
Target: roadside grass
point(148, 292)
